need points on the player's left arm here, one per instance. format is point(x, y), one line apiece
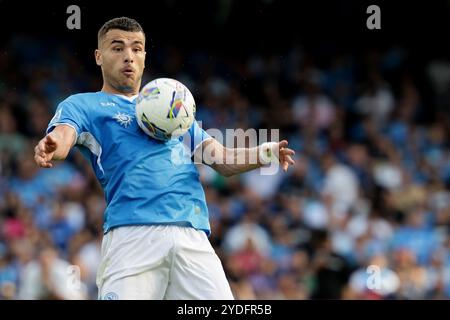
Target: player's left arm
point(232, 161)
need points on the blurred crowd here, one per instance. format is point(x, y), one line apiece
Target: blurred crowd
point(364, 213)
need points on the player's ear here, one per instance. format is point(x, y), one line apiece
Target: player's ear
point(98, 57)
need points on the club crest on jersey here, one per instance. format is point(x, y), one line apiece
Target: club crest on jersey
point(123, 119)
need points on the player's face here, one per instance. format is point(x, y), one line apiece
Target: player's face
point(121, 55)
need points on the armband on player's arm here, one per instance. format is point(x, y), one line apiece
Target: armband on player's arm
point(267, 153)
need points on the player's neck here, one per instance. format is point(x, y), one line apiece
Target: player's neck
point(109, 89)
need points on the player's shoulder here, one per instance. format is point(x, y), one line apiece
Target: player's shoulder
point(85, 98)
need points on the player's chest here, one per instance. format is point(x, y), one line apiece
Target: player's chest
point(117, 128)
point(114, 118)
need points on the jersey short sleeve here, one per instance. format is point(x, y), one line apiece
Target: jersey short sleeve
point(69, 113)
point(194, 137)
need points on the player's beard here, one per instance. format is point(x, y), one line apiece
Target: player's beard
point(125, 84)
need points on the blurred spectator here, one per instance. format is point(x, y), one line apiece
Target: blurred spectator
point(313, 108)
point(413, 280)
point(332, 271)
point(51, 278)
point(247, 234)
point(340, 185)
point(375, 281)
point(377, 100)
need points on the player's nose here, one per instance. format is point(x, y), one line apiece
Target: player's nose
point(128, 56)
point(128, 60)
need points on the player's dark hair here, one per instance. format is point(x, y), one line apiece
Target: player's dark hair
point(122, 23)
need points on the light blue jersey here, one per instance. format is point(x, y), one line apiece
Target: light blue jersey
point(141, 182)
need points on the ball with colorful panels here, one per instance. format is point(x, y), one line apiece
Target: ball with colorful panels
point(165, 109)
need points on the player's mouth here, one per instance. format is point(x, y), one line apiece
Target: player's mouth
point(128, 72)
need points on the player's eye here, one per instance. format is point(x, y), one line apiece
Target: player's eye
point(117, 49)
point(137, 49)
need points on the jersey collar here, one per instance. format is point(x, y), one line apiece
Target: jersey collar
point(131, 99)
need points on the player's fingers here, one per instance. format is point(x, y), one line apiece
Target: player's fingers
point(37, 159)
point(288, 151)
point(41, 147)
point(286, 161)
point(289, 160)
point(41, 154)
point(46, 164)
point(282, 144)
point(38, 149)
point(40, 157)
point(37, 156)
point(36, 152)
point(42, 162)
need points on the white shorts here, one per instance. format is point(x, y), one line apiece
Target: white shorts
point(160, 262)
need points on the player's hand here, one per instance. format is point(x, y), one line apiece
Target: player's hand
point(284, 155)
point(44, 151)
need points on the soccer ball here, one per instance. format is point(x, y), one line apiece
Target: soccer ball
point(165, 109)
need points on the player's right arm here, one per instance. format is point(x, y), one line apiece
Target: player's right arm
point(55, 145)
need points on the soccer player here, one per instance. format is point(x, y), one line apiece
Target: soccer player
point(156, 225)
